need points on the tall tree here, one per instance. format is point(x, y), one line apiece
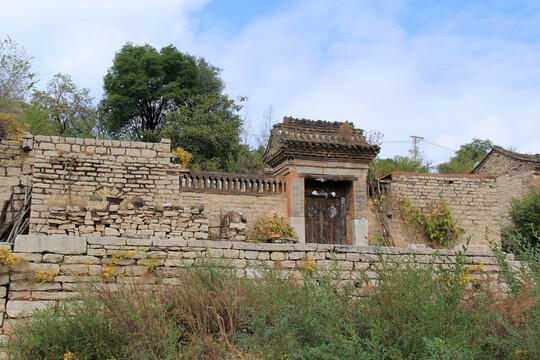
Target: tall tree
point(208, 78)
point(209, 127)
point(63, 109)
point(466, 158)
point(16, 77)
point(143, 85)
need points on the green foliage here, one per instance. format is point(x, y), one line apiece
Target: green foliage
point(53, 332)
point(267, 227)
point(381, 167)
point(63, 109)
point(208, 78)
point(209, 128)
point(466, 158)
point(437, 224)
point(247, 160)
point(525, 215)
point(143, 85)
point(416, 311)
point(36, 118)
point(16, 77)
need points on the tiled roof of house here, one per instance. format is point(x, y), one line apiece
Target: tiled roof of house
point(318, 139)
point(518, 156)
point(535, 159)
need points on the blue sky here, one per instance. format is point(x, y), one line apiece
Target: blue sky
point(449, 71)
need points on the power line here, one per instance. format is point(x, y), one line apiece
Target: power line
point(441, 147)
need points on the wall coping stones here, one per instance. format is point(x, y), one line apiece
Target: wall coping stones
point(52, 243)
point(62, 244)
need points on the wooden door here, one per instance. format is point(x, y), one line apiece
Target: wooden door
point(326, 212)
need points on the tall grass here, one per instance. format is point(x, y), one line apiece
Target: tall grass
point(415, 311)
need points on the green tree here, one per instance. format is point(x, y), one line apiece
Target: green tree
point(63, 109)
point(381, 167)
point(247, 160)
point(143, 85)
point(16, 77)
point(209, 127)
point(466, 158)
point(208, 78)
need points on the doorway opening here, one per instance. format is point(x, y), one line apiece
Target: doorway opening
point(327, 211)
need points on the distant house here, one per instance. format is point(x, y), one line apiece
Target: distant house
point(504, 162)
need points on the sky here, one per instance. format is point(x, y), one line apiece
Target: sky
point(448, 71)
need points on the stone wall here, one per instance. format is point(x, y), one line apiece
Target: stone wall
point(512, 186)
point(251, 207)
point(472, 199)
point(15, 172)
point(52, 266)
point(114, 185)
point(130, 189)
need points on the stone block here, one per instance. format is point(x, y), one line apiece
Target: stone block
point(148, 153)
point(277, 255)
point(139, 242)
point(81, 260)
point(275, 247)
point(50, 244)
point(32, 257)
point(244, 246)
point(63, 147)
point(251, 255)
point(173, 242)
point(231, 254)
point(53, 295)
point(111, 232)
point(263, 255)
point(111, 241)
point(297, 255)
point(25, 308)
point(34, 286)
point(210, 243)
point(214, 252)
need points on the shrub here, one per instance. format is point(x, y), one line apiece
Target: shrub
point(438, 224)
point(268, 227)
point(11, 128)
point(525, 215)
point(77, 327)
point(182, 156)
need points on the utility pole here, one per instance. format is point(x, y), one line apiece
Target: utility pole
point(416, 140)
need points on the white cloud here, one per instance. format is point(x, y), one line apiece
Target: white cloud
point(355, 62)
point(446, 73)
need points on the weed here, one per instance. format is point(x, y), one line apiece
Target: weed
point(8, 258)
point(44, 276)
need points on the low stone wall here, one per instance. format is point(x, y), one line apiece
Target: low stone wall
point(52, 266)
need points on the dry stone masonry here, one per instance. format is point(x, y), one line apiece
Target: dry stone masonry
point(74, 260)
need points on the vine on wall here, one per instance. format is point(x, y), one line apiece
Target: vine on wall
point(437, 224)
